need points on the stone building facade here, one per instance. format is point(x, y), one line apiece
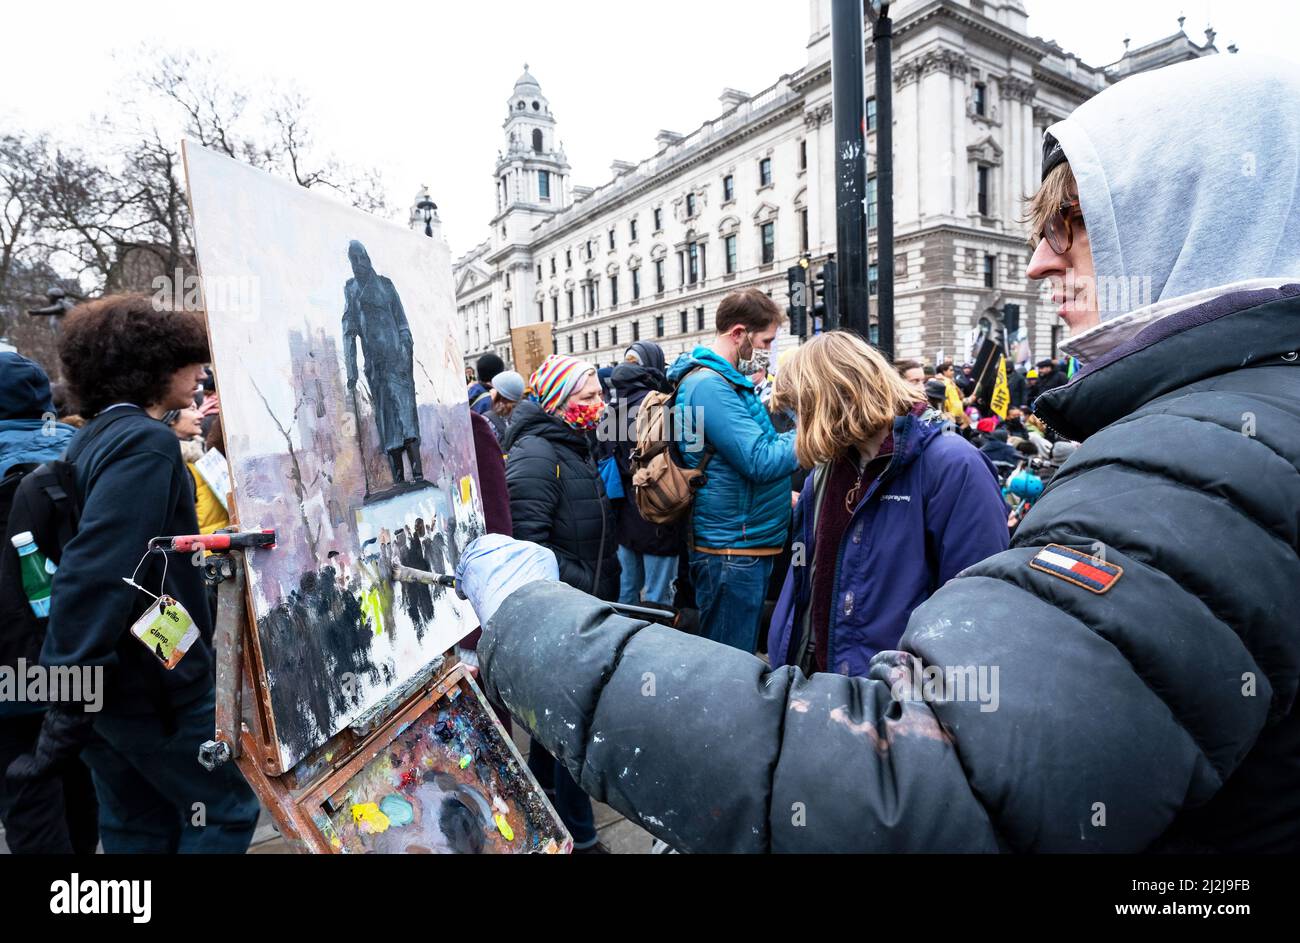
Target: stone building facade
point(734, 203)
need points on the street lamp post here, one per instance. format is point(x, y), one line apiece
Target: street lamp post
point(427, 207)
point(882, 40)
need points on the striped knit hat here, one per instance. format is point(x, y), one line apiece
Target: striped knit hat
point(557, 377)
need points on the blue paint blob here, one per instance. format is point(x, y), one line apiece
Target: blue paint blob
point(397, 809)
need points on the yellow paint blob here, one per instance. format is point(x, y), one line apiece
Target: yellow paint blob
point(368, 816)
point(504, 827)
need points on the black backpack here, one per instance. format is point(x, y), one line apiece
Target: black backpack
point(43, 500)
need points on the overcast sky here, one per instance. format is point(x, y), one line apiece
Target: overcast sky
point(419, 90)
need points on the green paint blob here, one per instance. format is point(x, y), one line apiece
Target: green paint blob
point(397, 809)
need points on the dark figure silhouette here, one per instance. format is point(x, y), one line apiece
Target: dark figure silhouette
point(373, 313)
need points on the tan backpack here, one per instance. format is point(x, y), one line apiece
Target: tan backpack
point(663, 488)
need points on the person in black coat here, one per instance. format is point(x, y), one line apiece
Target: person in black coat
point(128, 364)
point(557, 499)
point(647, 552)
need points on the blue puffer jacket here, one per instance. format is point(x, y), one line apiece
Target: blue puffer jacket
point(746, 502)
point(935, 511)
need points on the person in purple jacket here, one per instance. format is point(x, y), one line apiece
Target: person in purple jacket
point(892, 510)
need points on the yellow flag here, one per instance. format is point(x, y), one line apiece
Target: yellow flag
point(1001, 398)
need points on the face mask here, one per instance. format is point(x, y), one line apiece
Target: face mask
point(758, 361)
point(584, 416)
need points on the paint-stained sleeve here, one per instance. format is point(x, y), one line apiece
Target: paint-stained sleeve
point(705, 748)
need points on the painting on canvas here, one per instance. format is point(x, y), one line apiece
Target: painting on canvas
point(347, 430)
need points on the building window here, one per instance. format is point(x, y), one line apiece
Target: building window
point(729, 250)
point(699, 319)
point(631, 230)
point(803, 231)
point(693, 263)
point(569, 295)
point(981, 99)
point(765, 172)
point(636, 284)
point(728, 188)
point(544, 183)
point(990, 270)
point(982, 190)
point(659, 326)
point(659, 219)
point(555, 307)
point(611, 240)
point(541, 311)
point(873, 277)
point(690, 205)
point(552, 265)
point(803, 154)
point(613, 335)
point(871, 114)
point(537, 139)
point(871, 202)
point(613, 291)
point(568, 259)
point(591, 251)
point(507, 281)
point(539, 271)
point(659, 276)
point(586, 341)
point(595, 295)
point(570, 343)
point(685, 322)
point(636, 330)
point(768, 231)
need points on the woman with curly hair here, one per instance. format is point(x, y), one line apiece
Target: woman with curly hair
point(127, 363)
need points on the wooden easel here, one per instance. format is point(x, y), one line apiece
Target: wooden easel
point(244, 728)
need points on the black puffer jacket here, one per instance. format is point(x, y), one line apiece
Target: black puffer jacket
point(631, 383)
point(557, 499)
point(1159, 714)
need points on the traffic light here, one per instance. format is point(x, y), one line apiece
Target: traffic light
point(1011, 319)
point(797, 279)
point(825, 299)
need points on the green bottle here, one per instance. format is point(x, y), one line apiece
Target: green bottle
point(36, 572)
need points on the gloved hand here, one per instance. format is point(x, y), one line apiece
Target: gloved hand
point(494, 566)
point(63, 733)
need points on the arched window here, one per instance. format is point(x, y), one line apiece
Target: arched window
point(537, 140)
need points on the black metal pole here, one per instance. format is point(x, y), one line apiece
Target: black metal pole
point(848, 101)
point(882, 38)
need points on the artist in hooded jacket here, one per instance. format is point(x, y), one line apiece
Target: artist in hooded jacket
point(557, 500)
point(895, 507)
point(1143, 621)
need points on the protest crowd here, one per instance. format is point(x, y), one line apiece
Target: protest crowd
point(818, 530)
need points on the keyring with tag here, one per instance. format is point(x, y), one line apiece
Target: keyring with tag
point(165, 628)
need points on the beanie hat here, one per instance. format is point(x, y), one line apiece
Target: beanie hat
point(489, 365)
point(557, 377)
point(509, 384)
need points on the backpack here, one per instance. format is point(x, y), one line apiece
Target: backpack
point(664, 487)
point(41, 499)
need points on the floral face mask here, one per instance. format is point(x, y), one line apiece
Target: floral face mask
point(584, 416)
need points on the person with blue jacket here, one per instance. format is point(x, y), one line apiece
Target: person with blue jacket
point(894, 508)
point(740, 518)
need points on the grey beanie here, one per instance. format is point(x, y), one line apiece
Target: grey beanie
point(509, 384)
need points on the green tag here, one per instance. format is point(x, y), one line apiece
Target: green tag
point(167, 629)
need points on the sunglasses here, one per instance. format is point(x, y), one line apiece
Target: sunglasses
point(1058, 230)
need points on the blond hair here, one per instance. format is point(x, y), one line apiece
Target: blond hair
point(844, 392)
point(1058, 187)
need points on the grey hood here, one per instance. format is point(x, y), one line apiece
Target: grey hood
point(1189, 179)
